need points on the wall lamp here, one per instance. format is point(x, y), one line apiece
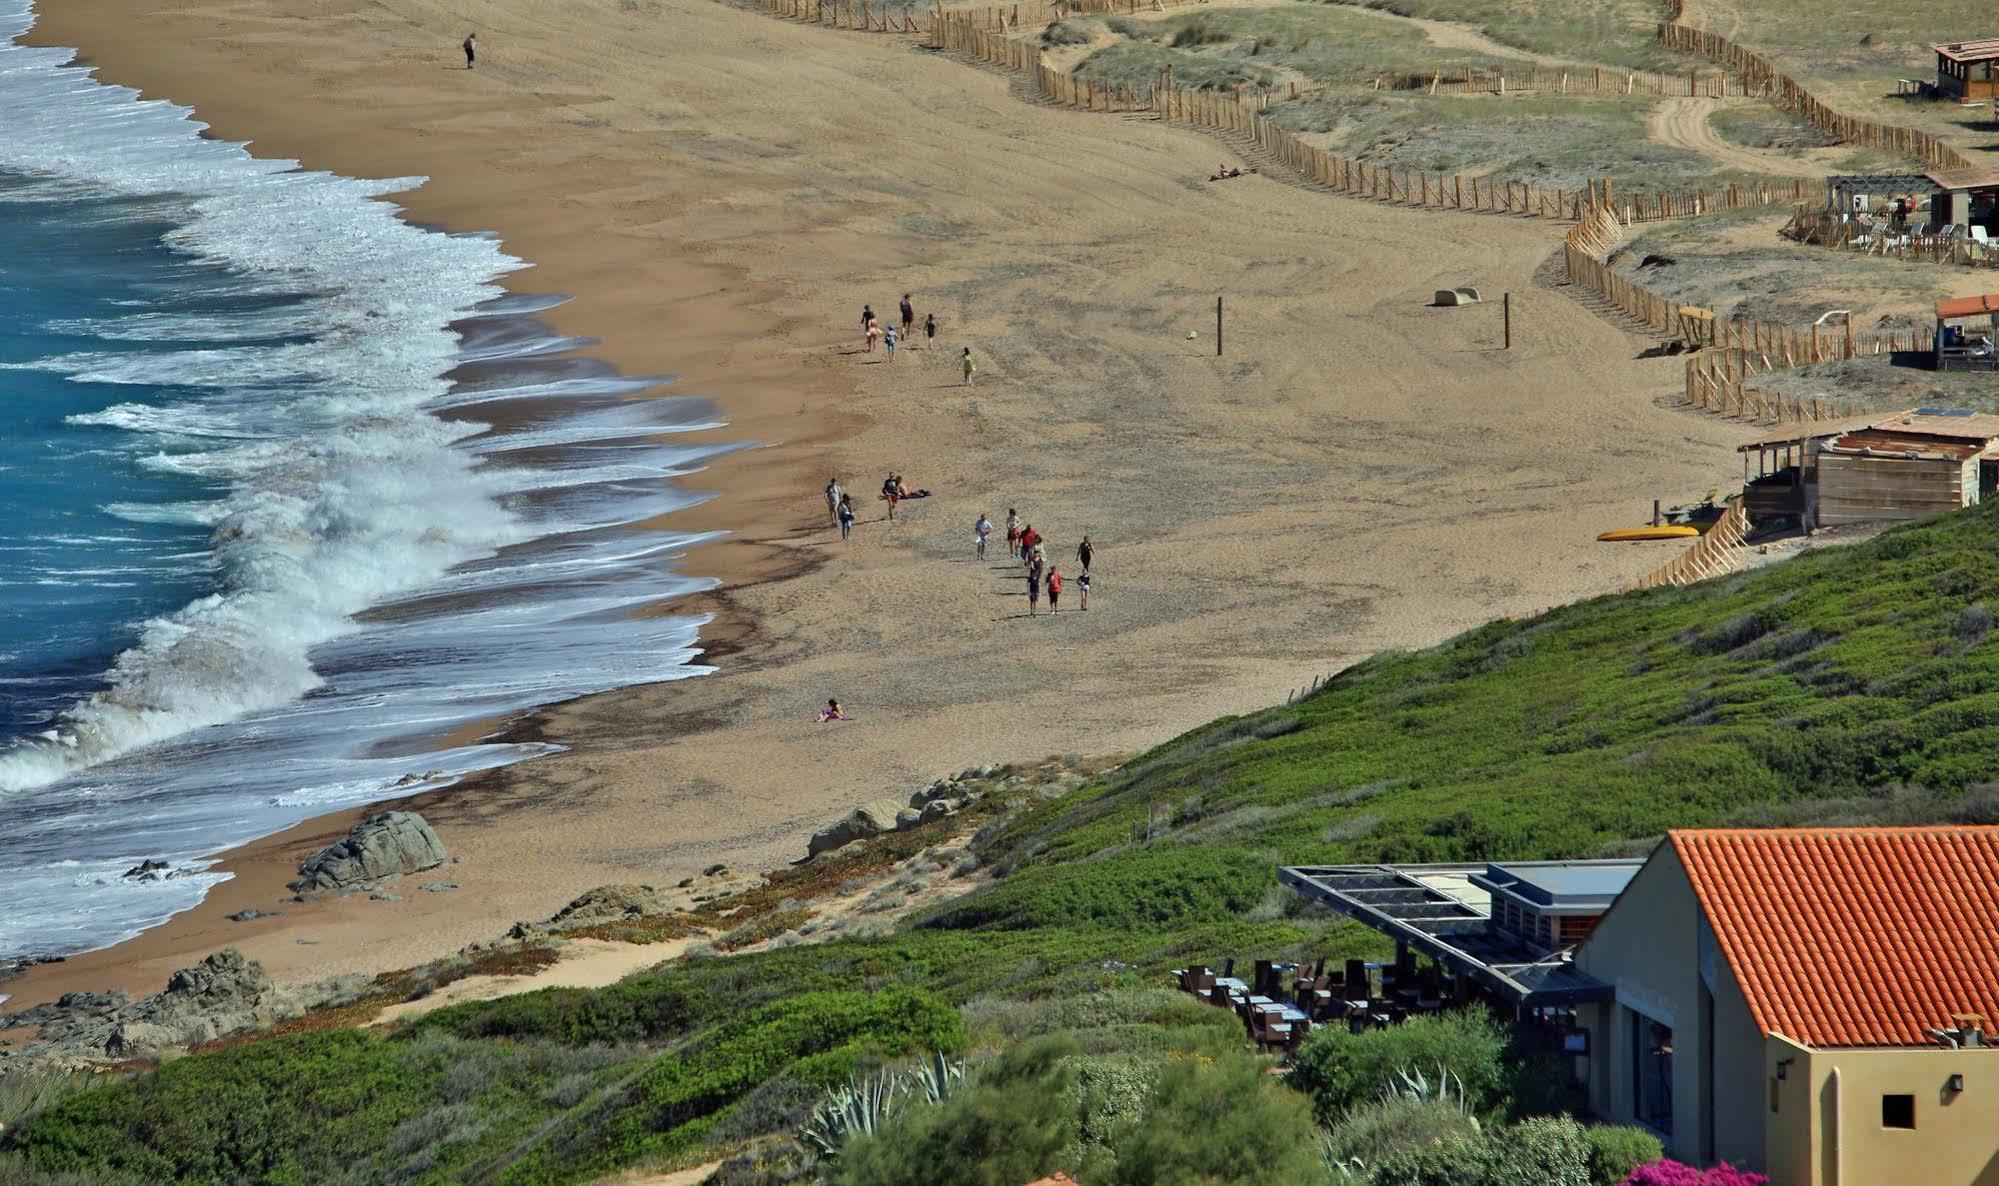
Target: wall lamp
point(1955, 1083)
point(1784, 1070)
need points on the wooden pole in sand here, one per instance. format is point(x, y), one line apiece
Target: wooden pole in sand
point(1218, 327)
point(1506, 320)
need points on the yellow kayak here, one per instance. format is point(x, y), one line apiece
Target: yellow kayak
point(1663, 531)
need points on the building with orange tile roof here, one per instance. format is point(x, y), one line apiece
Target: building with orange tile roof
point(1806, 1002)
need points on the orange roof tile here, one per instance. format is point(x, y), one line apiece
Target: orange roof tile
point(1853, 936)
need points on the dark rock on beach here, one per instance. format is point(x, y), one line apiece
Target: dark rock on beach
point(388, 845)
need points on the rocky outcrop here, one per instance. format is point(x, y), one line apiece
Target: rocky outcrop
point(612, 903)
point(222, 995)
point(869, 819)
point(388, 845)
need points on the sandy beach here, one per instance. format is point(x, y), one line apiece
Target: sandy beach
point(720, 191)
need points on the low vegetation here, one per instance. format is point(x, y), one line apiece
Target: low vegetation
point(1857, 684)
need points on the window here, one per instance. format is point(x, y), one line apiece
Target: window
point(1652, 1073)
point(1898, 1111)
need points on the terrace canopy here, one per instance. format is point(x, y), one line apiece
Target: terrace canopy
point(1440, 911)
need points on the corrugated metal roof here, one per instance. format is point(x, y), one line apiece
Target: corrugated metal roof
point(1915, 446)
point(1853, 936)
point(1979, 50)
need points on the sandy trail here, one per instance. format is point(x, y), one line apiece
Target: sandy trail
point(722, 190)
point(1684, 123)
point(585, 963)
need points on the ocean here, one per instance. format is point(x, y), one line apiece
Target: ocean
point(289, 490)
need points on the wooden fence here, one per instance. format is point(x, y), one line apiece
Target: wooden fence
point(1761, 77)
point(1722, 549)
point(1718, 373)
point(1244, 115)
point(1574, 81)
point(884, 17)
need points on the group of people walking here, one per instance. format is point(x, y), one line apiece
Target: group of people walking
point(872, 331)
point(1026, 544)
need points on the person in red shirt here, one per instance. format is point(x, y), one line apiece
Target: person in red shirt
point(1028, 538)
point(1054, 590)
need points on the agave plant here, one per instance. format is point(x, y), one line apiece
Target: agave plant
point(935, 1077)
point(1410, 1083)
point(865, 1104)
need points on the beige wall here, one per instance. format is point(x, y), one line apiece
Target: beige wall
point(1653, 948)
point(1827, 1130)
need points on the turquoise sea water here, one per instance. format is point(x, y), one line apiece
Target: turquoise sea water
point(288, 489)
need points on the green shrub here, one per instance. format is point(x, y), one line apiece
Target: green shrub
point(1222, 1123)
point(1543, 1151)
point(26, 1094)
point(1370, 1132)
point(1341, 1070)
point(1011, 1125)
point(1614, 1149)
point(676, 1101)
point(236, 1115)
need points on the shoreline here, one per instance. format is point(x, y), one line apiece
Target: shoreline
point(718, 219)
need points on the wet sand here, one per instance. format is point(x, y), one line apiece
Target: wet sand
point(720, 191)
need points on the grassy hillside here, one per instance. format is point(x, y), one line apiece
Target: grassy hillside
point(1851, 684)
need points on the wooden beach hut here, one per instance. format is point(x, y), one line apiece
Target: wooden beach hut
point(1910, 466)
point(1872, 469)
point(1968, 71)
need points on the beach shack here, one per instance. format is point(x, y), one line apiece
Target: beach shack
point(1873, 469)
point(1967, 336)
point(1967, 197)
point(1966, 70)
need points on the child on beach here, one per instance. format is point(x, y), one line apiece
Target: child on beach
point(833, 712)
point(908, 316)
point(1083, 589)
point(1012, 532)
point(969, 365)
point(888, 340)
point(874, 333)
point(846, 514)
point(929, 328)
point(833, 493)
point(1054, 590)
point(982, 529)
point(1033, 592)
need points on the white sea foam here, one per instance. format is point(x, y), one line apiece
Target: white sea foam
point(500, 563)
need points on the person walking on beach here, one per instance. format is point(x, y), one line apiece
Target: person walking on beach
point(892, 491)
point(1029, 539)
point(1033, 592)
point(833, 497)
point(874, 331)
point(969, 365)
point(1083, 589)
point(1012, 532)
point(908, 316)
point(1054, 590)
point(846, 514)
point(929, 329)
point(980, 530)
point(1084, 551)
point(889, 340)
point(468, 49)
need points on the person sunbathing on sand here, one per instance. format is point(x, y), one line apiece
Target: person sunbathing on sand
point(1226, 171)
point(832, 712)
